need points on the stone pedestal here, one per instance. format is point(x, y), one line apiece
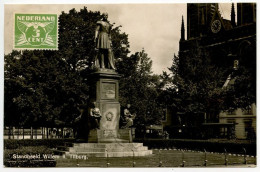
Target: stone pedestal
point(105, 92)
point(110, 136)
point(109, 140)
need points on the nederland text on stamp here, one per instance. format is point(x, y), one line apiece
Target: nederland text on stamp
point(36, 31)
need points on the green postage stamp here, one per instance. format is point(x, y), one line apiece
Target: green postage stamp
point(36, 31)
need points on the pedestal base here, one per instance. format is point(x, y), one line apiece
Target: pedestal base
point(108, 150)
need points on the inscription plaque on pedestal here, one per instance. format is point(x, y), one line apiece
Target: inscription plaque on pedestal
point(108, 91)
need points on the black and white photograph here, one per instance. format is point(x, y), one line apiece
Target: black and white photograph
point(149, 84)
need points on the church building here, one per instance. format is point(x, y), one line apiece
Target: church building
point(229, 43)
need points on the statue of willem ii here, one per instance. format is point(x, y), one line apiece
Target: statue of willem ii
point(104, 57)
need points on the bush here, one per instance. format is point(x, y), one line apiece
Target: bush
point(232, 146)
point(30, 156)
point(50, 143)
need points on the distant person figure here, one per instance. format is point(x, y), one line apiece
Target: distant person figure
point(95, 114)
point(54, 132)
point(81, 127)
point(128, 117)
point(166, 135)
point(103, 43)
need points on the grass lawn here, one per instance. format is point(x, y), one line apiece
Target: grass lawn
point(169, 158)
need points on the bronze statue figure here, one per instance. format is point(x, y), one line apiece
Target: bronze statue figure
point(128, 117)
point(104, 57)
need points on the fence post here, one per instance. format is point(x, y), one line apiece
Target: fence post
point(47, 132)
point(42, 132)
point(31, 132)
point(18, 132)
point(9, 132)
point(160, 162)
point(36, 133)
point(205, 158)
point(183, 162)
point(226, 159)
point(133, 157)
point(13, 132)
point(245, 159)
point(77, 159)
point(107, 158)
point(23, 132)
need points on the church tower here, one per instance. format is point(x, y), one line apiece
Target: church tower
point(246, 13)
point(182, 30)
point(233, 16)
point(199, 17)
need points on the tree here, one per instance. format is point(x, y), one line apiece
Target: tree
point(197, 86)
point(45, 88)
point(242, 92)
point(140, 88)
point(40, 90)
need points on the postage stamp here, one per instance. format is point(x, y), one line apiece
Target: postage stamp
point(36, 31)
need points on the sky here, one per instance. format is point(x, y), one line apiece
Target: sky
point(153, 27)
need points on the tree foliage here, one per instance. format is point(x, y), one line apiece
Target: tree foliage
point(197, 85)
point(242, 92)
point(140, 88)
point(45, 88)
point(40, 90)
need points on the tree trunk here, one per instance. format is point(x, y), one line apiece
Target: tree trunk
point(62, 131)
point(205, 117)
point(13, 129)
point(9, 132)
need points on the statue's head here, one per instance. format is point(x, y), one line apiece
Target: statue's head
point(83, 106)
point(92, 105)
point(128, 105)
point(105, 16)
